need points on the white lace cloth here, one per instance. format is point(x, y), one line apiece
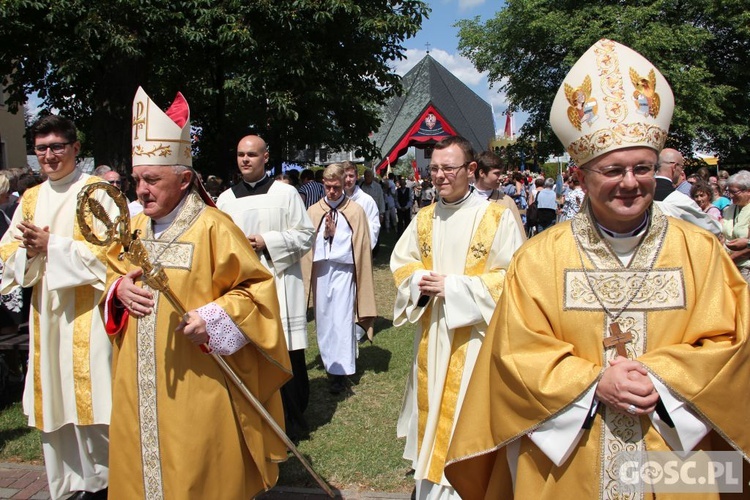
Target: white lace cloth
point(224, 336)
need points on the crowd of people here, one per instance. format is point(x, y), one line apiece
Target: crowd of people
point(556, 320)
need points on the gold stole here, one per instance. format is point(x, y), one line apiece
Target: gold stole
point(476, 260)
point(84, 308)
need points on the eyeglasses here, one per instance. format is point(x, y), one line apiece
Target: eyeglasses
point(116, 183)
point(57, 148)
point(447, 171)
point(617, 173)
point(734, 192)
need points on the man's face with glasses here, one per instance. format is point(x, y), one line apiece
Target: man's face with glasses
point(450, 173)
point(57, 157)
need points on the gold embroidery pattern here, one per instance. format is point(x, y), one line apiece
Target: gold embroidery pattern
point(147, 402)
point(616, 110)
point(175, 255)
point(424, 234)
point(84, 306)
point(403, 272)
point(481, 242)
point(423, 401)
point(28, 205)
point(459, 346)
point(663, 289)
point(190, 211)
point(622, 435)
point(38, 413)
point(160, 150)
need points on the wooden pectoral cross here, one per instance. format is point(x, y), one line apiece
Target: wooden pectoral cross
point(617, 339)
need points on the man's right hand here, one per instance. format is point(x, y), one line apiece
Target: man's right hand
point(625, 382)
point(137, 301)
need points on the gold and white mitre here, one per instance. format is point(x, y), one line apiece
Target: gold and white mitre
point(612, 98)
point(161, 138)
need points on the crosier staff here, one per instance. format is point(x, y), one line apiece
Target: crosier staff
point(155, 277)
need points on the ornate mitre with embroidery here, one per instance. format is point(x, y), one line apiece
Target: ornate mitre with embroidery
point(161, 138)
point(612, 98)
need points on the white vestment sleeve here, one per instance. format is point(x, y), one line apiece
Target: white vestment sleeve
point(20, 270)
point(73, 264)
point(688, 428)
point(683, 207)
point(407, 296)
point(558, 436)
point(465, 298)
point(287, 247)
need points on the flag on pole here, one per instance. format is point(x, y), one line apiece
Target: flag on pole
point(508, 125)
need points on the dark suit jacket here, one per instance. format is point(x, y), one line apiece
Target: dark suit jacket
point(664, 188)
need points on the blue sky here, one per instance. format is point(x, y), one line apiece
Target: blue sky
point(442, 36)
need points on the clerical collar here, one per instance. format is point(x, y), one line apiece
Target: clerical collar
point(68, 179)
point(629, 234)
point(485, 194)
point(458, 202)
point(251, 186)
point(161, 225)
point(335, 204)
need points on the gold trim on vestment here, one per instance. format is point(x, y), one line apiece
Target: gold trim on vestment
point(84, 305)
point(459, 346)
point(148, 415)
point(84, 297)
point(481, 243)
point(403, 272)
point(37, 340)
point(476, 262)
point(624, 294)
point(178, 255)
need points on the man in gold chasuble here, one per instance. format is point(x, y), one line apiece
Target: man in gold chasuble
point(180, 430)
point(621, 330)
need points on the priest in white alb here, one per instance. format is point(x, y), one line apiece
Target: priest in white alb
point(67, 394)
point(273, 217)
point(449, 267)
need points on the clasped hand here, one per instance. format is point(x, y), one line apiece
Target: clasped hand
point(33, 238)
point(625, 382)
point(432, 284)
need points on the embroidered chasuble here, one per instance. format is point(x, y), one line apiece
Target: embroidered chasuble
point(276, 212)
point(472, 243)
point(686, 311)
point(69, 353)
point(179, 429)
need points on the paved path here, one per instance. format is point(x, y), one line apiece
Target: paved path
point(24, 481)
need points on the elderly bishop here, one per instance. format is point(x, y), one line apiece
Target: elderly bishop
point(180, 430)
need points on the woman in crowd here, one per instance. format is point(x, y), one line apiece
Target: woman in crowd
point(736, 224)
point(703, 194)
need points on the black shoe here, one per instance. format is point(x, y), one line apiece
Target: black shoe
point(338, 384)
point(89, 495)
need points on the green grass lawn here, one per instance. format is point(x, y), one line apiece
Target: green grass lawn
point(352, 442)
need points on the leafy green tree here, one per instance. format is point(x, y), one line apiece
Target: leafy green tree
point(702, 48)
point(298, 72)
